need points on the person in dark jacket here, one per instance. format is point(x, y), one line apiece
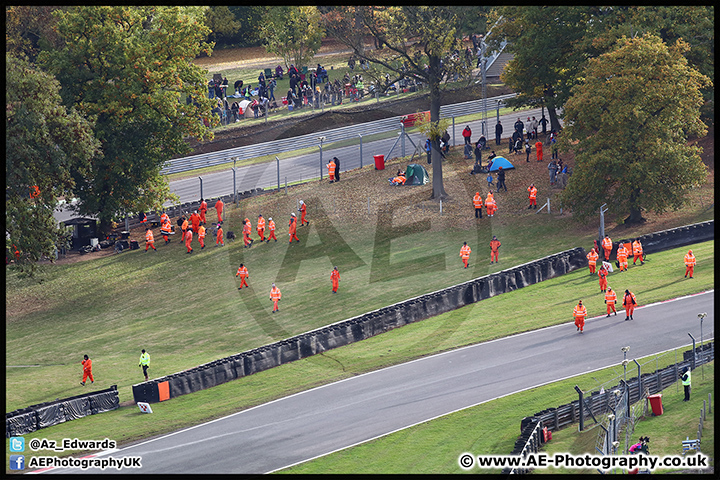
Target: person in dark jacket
point(498, 133)
point(501, 179)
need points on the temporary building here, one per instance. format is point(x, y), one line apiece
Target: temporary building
point(416, 175)
point(501, 162)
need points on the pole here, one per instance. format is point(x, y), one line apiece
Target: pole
point(201, 193)
point(580, 407)
point(277, 161)
point(402, 139)
point(234, 187)
point(602, 221)
point(359, 135)
point(321, 163)
point(702, 369)
point(497, 111)
point(453, 129)
point(694, 352)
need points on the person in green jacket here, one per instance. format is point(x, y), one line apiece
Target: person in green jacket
point(144, 362)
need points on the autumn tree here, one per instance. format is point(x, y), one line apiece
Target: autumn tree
point(412, 41)
point(627, 123)
point(293, 33)
point(552, 44)
point(45, 143)
point(130, 70)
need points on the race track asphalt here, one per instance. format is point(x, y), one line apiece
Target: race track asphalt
point(306, 425)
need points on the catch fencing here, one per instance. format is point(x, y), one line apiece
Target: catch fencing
point(352, 132)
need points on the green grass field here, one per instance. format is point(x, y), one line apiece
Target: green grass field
point(186, 309)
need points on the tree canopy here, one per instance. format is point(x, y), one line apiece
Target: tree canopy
point(130, 70)
point(552, 44)
point(412, 41)
point(45, 143)
point(293, 33)
point(627, 122)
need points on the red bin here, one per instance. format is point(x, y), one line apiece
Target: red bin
point(656, 404)
point(379, 162)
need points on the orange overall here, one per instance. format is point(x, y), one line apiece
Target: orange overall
point(335, 279)
point(592, 257)
point(331, 170)
point(247, 228)
point(201, 236)
point(188, 240)
point(293, 229)
point(275, 296)
point(303, 211)
point(261, 228)
point(629, 302)
point(243, 273)
point(203, 210)
point(494, 254)
point(220, 240)
point(602, 273)
point(637, 252)
point(219, 207)
point(689, 264)
point(610, 300)
point(607, 246)
point(465, 254)
point(579, 313)
point(149, 240)
point(532, 194)
point(622, 255)
point(87, 370)
point(271, 228)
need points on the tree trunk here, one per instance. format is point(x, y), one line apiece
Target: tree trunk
point(438, 192)
point(635, 211)
point(554, 122)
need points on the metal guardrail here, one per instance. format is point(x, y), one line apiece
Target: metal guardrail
point(311, 140)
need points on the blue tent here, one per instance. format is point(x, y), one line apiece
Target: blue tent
point(501, 162)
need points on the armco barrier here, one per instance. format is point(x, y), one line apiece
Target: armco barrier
point(360, 327)
point(34, 417)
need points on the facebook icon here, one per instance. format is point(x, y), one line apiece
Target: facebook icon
point(17, 462)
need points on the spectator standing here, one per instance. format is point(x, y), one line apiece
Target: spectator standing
point(528, 149)
point(337, 168)
point(144, 362)
point(543, 123)
point(478, 153)
point(467, 133)
point(271, 89)
point(87, 370)
point(519, 126)
point(534, 127)
point(552, 171)
point(498, 132)
point(428, 150)
point(501, 179)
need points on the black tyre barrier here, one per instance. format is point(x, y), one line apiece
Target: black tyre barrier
point(34, 417)
point(361, 327)
point(671, 238)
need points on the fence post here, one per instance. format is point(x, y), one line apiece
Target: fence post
point(580, 405)
point(360, 135)
point(201, 191)
point(709, 402)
